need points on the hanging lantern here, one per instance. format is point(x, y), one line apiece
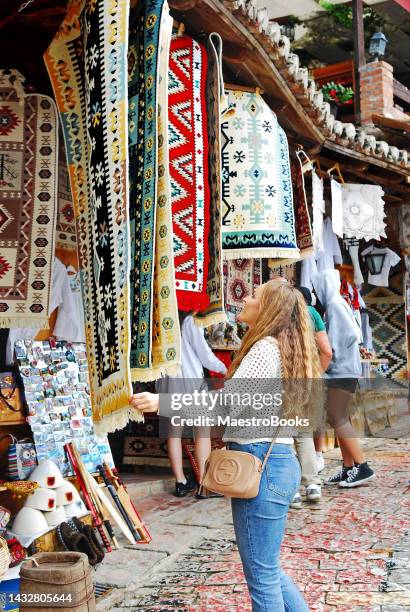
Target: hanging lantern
point(377, 45)
point(374, 262)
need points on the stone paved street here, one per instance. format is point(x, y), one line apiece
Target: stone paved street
point(350, 552)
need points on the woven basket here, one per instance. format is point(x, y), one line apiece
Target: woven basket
point(4, 558)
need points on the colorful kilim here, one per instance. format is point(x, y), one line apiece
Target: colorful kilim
point(66, 234)
point(241, 277)
point(28, 202)
point(188, 156)
point(304, 237)
point(257, 216)
point(166, 340)
point(86, 63)
point(143, 56)
point(215, 312)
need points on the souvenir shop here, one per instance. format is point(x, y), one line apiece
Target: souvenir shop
point(153, 161)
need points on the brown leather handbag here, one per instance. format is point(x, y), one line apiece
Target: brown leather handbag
point(234, 473)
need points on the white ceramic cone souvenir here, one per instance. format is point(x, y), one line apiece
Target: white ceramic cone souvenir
point(42, 499)
point(77, 508)
point(47, 475)
point(29, 521)
point(55, 517)
point(67, 494)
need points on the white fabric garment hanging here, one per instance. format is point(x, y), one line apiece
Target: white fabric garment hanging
point(318, 207)
point(75, 284)
point(67, 324)
point(363, 211)
point(337, 207)
point(357, 272)
point(66, 327)
point(391, 259)
point(308, 271)
point(331, 253)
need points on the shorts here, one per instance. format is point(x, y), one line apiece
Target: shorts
point(345, 384)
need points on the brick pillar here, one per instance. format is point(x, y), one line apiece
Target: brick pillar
point(376, 90)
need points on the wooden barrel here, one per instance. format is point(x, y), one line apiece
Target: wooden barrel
point(57, 581)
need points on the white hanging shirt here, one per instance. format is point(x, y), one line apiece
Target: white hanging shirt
point(318, 208)
point(68, 323)
point(331, 254)
point(391, 259)
point(337, 208)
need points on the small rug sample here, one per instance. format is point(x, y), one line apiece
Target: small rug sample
point(257, 219)
point(66, 233)
point(241, 277)
point(86, 62)
point(304, 237)
point(166, 340)
point(363, 211)
point(188, 157)
point(215, 312)
point(28, 202)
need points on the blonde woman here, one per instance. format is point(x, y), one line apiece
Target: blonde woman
point(278, 347)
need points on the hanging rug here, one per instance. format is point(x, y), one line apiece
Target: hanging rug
point(215, 312)
point(88, 54)
point(166, 337)
point(188, 158)
point(303, 227)
point(28, 202)
point(241, 277)
point(257, 201)
point(66, 233)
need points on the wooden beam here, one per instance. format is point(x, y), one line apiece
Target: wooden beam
point(376, 161)
point(401, 91)
point(394, 124)
point(359, 54)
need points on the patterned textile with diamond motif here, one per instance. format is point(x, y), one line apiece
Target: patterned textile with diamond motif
point(188, 156)
point(241, 277)
point(155, 342)
point(28, 202)
point(66, 233)
point(257, 219)
point(86, 62)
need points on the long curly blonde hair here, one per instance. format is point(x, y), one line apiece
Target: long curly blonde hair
point(284, 316)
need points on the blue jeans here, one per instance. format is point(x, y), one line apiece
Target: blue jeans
point(259, 528)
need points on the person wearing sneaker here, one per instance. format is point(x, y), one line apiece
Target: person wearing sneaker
point(305, 447)
point(195, 355)
point(342, 378)
point(305, 451)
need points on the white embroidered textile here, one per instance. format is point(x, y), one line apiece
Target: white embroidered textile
point(363, 211)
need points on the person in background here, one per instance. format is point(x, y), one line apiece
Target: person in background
point(342, 378)
point(195, 355)
point(325, 355)
point(304, 446)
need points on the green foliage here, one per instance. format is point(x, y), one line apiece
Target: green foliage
point(337, 93)
point(343, 14)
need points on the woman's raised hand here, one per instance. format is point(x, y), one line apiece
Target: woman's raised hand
point(145, 402)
